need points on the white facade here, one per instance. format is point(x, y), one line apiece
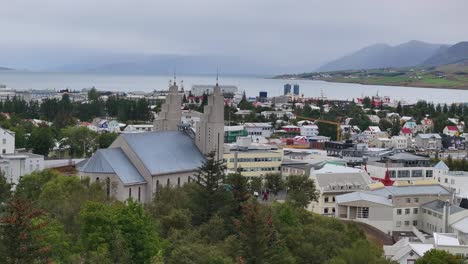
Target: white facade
point(399, 142)
point(15, 165)
point(309, 130)
point(138, 128)
point(259, 129)
point(7, 141)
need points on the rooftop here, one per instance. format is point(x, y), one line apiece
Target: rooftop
point(438, 206)
point(406, 157)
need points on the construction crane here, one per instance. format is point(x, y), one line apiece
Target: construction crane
point(337, 124)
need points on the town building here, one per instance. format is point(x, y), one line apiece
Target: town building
point(309, 130)
point(252, 159)
point(451, 131)
point(428, 141)
point(259, 129)
point(231, 133)
point(199, 90)
point(390, 208)
point(138, 128)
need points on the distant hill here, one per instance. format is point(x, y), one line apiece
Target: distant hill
point(448, 55)
point(5, 69)
point(408, 54)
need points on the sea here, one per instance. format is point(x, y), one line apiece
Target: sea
point(250, 84)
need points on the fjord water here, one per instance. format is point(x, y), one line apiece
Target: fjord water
point(251, 85)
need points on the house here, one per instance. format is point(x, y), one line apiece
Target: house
point(332, 180)
point(406, 132)
point(372, 131)
point(427, 125)
point(451, 131)
point(278, 114)
point(389, 208)
point(291, 128)
point(411, 125)
point(399, 142)
point(454, 180)
point(374, 119)
point(309, 130)
point(428, 141)
point(138, 128)
point(7, 139)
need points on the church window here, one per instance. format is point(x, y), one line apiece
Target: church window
point(178, 181)
point(97, 179)
point(129, 192)
point(139, 194)
point(108, 187)
point(168, 182)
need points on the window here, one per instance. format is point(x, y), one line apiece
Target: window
point(403, 174)
point(392, 173)
point(333, 198)
point(325, 199)
point(325, 210)
point(333, 210)
point(398, 223)
point(178, 181)
point(408, 200)
point(417, 173)
point(108, 187)
point(446, 180)
point(415, 210)
point(407, 223)
point(129, 192)
point(139, 194)
point(416, 200)
point(3, 151)
point(363, 212)
point(4, 141)
point(429, 173)
point(398, 211)
point(168, 182)
point(415, 223)
point(407, 211)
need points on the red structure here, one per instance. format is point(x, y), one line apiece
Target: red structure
point(386, 181)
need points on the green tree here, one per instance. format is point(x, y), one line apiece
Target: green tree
point(41, 140)
point(239, 188)
point(106, 139)
point(210, 177)
point(256, 184)
point(274, 182)
point(435, 256)
point(5, 190)
point(82, 141)
point(93, 94)
point(301, 190)
point(361, 252)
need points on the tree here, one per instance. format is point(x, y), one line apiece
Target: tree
point(301, 190)
point(399, 109)
point(361, 252)
point(5, 190)
point(210, 177)
point(257, 236)
point(435, 256)
point(385, 125)
point(82, 141)
point(41, 140)
point(274, 182)
point(19, 244)
point(106, 139)
point(239, 188)
point(255, 184)
point(366, 102)
point(93, 94)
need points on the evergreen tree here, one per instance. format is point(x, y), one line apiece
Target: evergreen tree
point(301, 190)
point(210, 177)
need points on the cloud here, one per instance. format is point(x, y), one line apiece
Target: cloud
point(292, 32)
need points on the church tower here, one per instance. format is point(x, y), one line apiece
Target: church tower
point(171, 113)
point(210, 129)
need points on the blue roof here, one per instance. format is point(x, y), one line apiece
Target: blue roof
point(410, 190)
point(165, 151)
point(113, 160)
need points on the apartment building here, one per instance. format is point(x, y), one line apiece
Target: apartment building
point(402, 167)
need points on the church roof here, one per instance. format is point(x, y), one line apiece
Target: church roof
point(441, 166)
point(113, 160)
point(165, 151)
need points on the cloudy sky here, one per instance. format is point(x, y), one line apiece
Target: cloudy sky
point(287, 32)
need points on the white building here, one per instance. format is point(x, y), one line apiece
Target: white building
point(402, 167)
point(199, 90)
point(259, 129)
point(332, 180)
point(7, 141)
point(399, 142)
point(138, 128)
point(278, 114)
point(309, 130)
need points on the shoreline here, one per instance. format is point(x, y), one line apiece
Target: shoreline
point(459, 88)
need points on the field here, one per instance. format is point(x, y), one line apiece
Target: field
point(453, 76)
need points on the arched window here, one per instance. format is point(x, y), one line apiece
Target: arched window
point(130, 192)
point(168, 182)
point(139, 194)
point(178, 181)
point(97, 179)
point(108, 187)
point(157, 185)
point(189, 179)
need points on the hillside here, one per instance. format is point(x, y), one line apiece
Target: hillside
point(450, 76)
point(385, 56)
point(5, 69)
point(453, 54)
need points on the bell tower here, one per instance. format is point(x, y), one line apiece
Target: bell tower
point(171, 113)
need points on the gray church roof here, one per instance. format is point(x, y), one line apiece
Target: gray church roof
point(441, 166)
point(113, 160)
point(165, 151)
point(438, 206)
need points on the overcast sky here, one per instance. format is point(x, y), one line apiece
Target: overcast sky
point(288, 32)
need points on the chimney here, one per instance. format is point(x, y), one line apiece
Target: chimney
point(446, 215)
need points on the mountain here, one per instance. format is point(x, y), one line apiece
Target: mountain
point(5, 69)
point(408, 54)
point(448, 55)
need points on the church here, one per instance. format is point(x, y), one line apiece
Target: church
point(136, 165)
